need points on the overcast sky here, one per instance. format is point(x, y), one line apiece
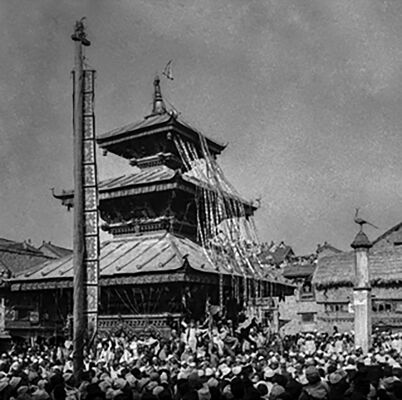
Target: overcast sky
point(306, 92)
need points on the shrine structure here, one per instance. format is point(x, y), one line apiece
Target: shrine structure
point(182, 237)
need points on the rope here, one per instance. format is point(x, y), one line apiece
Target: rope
point(130, 302)
point(221, 291)
point(218, 202)
point(123, 301)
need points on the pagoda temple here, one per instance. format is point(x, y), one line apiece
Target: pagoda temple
point(176, 243)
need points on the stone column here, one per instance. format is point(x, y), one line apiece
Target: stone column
point(362, 292)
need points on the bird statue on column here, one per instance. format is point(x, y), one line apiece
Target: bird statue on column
point(361, 221)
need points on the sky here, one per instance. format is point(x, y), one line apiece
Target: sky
point(307, 94)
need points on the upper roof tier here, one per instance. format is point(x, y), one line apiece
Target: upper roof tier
point(154, 133)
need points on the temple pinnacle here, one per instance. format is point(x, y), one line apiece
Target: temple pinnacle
point(158, 103)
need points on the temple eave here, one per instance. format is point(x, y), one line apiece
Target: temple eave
point(189, 276)
point(125, 134)
point(180, 182)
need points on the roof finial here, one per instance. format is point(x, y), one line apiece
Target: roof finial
point(158, 103)
point(79, 34)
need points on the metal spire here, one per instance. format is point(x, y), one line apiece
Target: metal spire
point(158, 107)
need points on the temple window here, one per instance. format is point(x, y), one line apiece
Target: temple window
point(385, 306)
point(336, 307)
point(306, 291)
point(398, 307)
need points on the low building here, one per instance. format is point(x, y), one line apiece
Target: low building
point(15, 258)
point(334, 278)
point(298, 313)
point(51, 250)
point(18, 256)
point(276, 254)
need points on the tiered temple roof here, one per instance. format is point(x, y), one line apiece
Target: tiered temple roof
point(145, 247)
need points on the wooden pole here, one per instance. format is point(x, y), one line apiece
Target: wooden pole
point(79, 320)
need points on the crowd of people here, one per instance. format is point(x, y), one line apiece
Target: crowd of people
point(210, 362)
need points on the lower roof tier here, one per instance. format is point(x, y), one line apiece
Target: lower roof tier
point(140, 255)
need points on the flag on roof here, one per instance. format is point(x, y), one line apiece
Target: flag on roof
point(167, 71)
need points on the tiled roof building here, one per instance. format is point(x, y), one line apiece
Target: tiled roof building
point(16, 257)
point(276, 254)
point(51, 250)
point(334, 278)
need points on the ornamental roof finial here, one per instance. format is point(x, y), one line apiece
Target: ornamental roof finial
point(158, 103)
point(79, 34)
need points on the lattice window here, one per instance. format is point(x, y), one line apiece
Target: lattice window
point(386, 306)
point(307, 291)
point(336, 307)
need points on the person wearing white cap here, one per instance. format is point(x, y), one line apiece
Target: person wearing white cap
point(217, 340)
point(190, 335)
point(339, 344)
point(310, 345)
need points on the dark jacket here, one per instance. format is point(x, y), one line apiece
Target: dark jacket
point(315, 391)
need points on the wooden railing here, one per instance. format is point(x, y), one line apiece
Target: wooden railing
point(383, 317)
point(136, 324)
point(161, 324)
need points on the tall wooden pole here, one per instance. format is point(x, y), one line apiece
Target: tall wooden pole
point(79, 322)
